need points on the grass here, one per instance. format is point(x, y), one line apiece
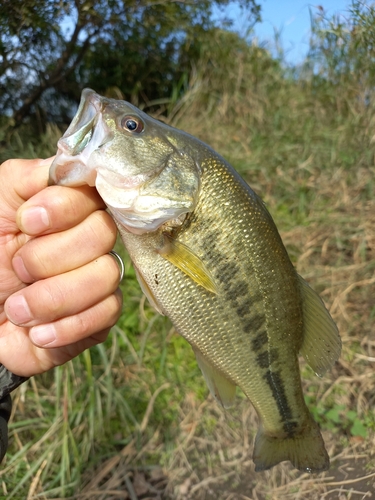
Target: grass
point(131, 418)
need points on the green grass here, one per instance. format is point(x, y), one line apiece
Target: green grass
point(137, 404)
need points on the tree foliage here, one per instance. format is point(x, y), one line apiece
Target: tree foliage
point(51, 49)
point(342, 52)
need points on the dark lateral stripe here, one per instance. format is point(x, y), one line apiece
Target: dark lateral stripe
point(239, 287)
point(260, 340)
point(245, 308)
point(276, 384)
point(236, 290)
point(263, 360)
point(247, 325)
point(267, 358)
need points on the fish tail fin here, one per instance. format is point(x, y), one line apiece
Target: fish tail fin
point(305, 450)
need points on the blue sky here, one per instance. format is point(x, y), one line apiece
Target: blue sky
point(292, 18)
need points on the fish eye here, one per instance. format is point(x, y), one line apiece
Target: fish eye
point(132, 124)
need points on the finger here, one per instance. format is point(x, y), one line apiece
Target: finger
point(78, 332)
point(74, 335)
point(65, 294)
point(57, 208)
point(35, 359)
point(56, 356)
point(57, 253)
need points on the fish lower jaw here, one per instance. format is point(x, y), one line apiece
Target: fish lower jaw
point(69, 171)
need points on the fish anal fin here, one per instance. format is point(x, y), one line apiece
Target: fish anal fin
point(184, 258)
point(147, 291)
point(306, 450)
point(220, 387)
point(321, 344)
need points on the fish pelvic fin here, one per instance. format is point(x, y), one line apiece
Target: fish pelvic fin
point(222, 389)
point(306, 450)
point(184, 258)
point(321, 344)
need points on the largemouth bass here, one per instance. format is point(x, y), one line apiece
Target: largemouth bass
point(208, 255)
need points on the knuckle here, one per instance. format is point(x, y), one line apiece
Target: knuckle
point(51, 297)
point(62, 201)
point(35, 260)
point(117, 306)
point(103, 226)
point(83, 324)
point(110, 311)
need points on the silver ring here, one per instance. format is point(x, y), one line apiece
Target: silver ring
point(121, 264)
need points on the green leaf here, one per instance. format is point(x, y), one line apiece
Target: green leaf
point(334, 415)
point(351, 415)
point(358, 429)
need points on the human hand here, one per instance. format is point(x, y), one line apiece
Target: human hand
point(59, 290)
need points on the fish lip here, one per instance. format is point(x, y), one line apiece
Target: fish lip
point(86, 133)
point(80, 131)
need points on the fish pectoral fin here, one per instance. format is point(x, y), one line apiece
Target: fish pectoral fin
point(321, 344)
point(147, 291)
point(220, 387)
point(184, 258)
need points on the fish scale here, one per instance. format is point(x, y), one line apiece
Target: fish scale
point(208, 255)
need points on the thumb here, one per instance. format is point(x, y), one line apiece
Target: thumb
point(21, 179)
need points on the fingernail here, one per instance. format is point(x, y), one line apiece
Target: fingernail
point(43, 335)
point(34, 220)
point(20, 270)
point(17, 310)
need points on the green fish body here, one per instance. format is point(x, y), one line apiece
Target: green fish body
point(208, 255)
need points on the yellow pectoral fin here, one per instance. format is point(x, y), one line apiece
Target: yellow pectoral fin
point(321, 345)
point(220, 387)
point(182, 257)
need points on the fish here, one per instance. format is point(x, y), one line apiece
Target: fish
point(207, 254)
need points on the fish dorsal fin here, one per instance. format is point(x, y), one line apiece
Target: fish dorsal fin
point(220, 387)
point(321, 345)
point(147, 291)
point(184, 258)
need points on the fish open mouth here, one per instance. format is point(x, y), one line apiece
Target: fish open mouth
point(141, 191)
point(85, 134)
